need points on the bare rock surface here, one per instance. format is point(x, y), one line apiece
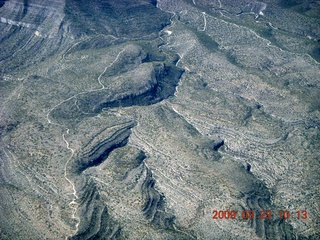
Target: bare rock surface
point(137, 119)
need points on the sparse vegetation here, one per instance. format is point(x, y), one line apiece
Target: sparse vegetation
point(136, 119)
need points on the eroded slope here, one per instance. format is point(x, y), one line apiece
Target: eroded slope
point(136, 119)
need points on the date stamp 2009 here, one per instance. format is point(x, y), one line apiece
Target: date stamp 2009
point(263, 214)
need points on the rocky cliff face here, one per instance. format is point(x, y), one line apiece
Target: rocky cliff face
point(138, 119)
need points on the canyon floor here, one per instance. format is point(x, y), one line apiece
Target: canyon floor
point(143, 119)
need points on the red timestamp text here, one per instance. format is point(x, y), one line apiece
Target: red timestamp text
point(262, 214)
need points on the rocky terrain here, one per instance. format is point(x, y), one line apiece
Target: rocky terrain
point(125, 119)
